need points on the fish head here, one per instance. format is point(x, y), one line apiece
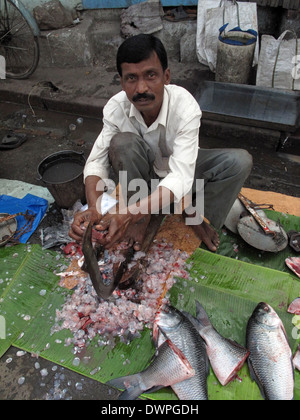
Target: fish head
point(265, 314)
point(166, 320)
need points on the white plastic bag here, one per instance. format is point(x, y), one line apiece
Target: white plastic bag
point(212, 15)
point(278, 63)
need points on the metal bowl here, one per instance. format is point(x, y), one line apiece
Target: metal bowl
point(7, 229)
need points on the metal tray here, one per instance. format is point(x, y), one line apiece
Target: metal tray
point(254, 106)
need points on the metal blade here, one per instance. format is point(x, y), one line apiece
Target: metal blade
point(249, 206)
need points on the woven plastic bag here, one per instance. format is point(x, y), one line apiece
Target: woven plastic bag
point(212, 15)
point(279, 60)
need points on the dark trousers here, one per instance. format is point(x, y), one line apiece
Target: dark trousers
point(224, 171)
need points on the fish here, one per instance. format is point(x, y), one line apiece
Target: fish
point(172, 323)
point(296, 359)
point(294, 264)
point(226, 356)
point(270, 360)
point(91, 264)
point(102, 289)
point(168, 367)
point(294, 307)
point(104, 282)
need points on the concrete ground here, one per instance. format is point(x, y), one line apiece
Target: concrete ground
point(43, 107)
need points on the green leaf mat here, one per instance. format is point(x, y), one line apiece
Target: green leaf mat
point(228, 288)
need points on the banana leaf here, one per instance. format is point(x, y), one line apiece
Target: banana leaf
point(26, 280)
point(229, 290)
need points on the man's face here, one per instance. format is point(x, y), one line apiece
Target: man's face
point(144, 84)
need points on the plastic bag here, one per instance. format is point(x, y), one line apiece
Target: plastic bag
point(277, 65)
point(59, 234)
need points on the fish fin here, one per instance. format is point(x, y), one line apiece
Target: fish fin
point(201, 315)
point(284, 332)
point(255, 378)
point(154, 389)
point(132, 383)
point(131, 393)
point(293, 367)
point(192, 319)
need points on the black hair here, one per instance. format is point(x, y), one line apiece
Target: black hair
point(139, 48)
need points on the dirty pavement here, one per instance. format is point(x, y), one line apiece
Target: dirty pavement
point(60, 108)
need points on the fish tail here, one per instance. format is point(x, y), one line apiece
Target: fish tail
point(201, 315)
point(132, 383)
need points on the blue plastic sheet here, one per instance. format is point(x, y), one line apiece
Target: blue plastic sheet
point(31, 203)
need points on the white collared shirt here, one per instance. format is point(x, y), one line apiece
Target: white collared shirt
point(173, 137)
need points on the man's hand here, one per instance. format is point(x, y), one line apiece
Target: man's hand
point(117, 225)
point(81, 220)
point(123, 227)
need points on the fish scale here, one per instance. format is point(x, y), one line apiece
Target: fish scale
point(186, 338)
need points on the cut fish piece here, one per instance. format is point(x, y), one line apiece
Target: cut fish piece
point(294, 264)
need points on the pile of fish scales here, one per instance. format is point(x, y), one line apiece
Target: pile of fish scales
point(128, 311)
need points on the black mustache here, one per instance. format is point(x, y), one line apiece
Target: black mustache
point(139, 96)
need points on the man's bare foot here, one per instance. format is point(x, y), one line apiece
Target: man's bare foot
point(208, 235)
point(137, 231)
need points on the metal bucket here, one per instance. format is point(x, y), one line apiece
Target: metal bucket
point(62, 174)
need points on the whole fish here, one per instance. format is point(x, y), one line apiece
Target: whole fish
point(168, 367)
point(270, 360)
point(177, 327)
point(296, 359)
point(226, 356)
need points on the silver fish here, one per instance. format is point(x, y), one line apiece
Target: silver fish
point(270, 360)
point(177, 327)
point(168, 367)
point(226, 356)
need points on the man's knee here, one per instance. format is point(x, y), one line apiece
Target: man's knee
point(246, 160)
point(242, 160)
point(130, 146)
point(122, 142)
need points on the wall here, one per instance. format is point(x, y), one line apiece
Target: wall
point(106, 4)
point(31, 4)
point(94, 4)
